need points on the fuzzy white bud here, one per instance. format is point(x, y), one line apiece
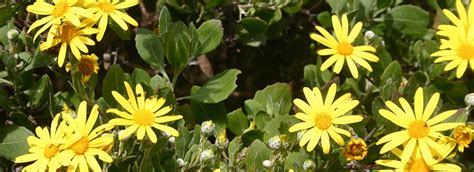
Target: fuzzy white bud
point(469, 99)
point(181, 162)
point(12, 34)
point(267, 163)
point(308, 165)
point(369, 34)
point(206, 155)
point(299, 135)
point(207, 127)
point(172, 140)
point(274, 142)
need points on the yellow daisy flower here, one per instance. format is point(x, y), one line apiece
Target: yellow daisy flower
point(44, 149)
point(141, 115)
point(115, 9)
point(461, 23)
point(458, 52)
point(457, 49)
point(75, 37)
point(87, 65)
point(84, 142)
point(419, 131)
point(417, 163)
point(319, 118)
point(463, 136)
point(341, 50)
point(62, 10)
point(356, 149)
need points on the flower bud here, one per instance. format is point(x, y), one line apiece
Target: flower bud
point(222, 141)
point(181, 162)
point(469, 99)
point(172, 140)
point(274, 142)
point(206, 155)
point(369, 34)
point(267, 163)
point(308, 165)
point(12, 34)
point(207, 127)
point(300, 134)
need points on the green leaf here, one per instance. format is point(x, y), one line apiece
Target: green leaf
point(13, 141)
point(337, 5)
point(182, 141)
point(325, 19)
point(150, 48)
point(210, 35)
point(275, 99)
point(254, 25)
point(218, 88)
point(113, 81)
point(392, 74)
point(256, 154)
point(177, 46)
point(140, 76)
point(237, 122)
point(39, 91)
point(8, 12)
point(250, 136)
point(165, 20)
point(408, 19)
point(234, 147)
point(40, 59)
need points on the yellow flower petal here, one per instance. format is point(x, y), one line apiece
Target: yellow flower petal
point(164, 119)
point(393, 118)
point(151, 134)
point(307, 136)
point(128, 131)
point(325, 142)
point(301, 126)
point(316, 136)
point(167, 129)
point(430, 107)
point(352, 68)
point(347, 119)
point(444, 126)
point(163, 111)
point(355, 31)
point(336, 137)
point(441, 117)
point(330, 61)
point(123, 102)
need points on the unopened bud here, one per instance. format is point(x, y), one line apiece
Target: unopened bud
point(299, 135)
point(12, 34)
point(181, 162)
point(222, 141)
point(274, 142)
point(207, 127)
point(469, 99)
point(267, 163)
point(172, 140)
point(308, 165)
point(369, 34)
point(206, 155)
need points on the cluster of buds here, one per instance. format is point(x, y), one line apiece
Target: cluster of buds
point(308, 165)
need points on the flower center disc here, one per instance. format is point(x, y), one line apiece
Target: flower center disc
point(419, 165)
point(50, 150)
point(345, 48)
point(67, 32)
point(106, 7)
point(86, 66)
point(143, 117)
point(81, 146)
point(418, 129)
point(466, 51)
point(60, 9)
point(323, 121)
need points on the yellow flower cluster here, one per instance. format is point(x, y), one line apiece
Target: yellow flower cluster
point(457, 46)
point(71, 23)
point(421, 137)
point(341, 48)
point(73, 142)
